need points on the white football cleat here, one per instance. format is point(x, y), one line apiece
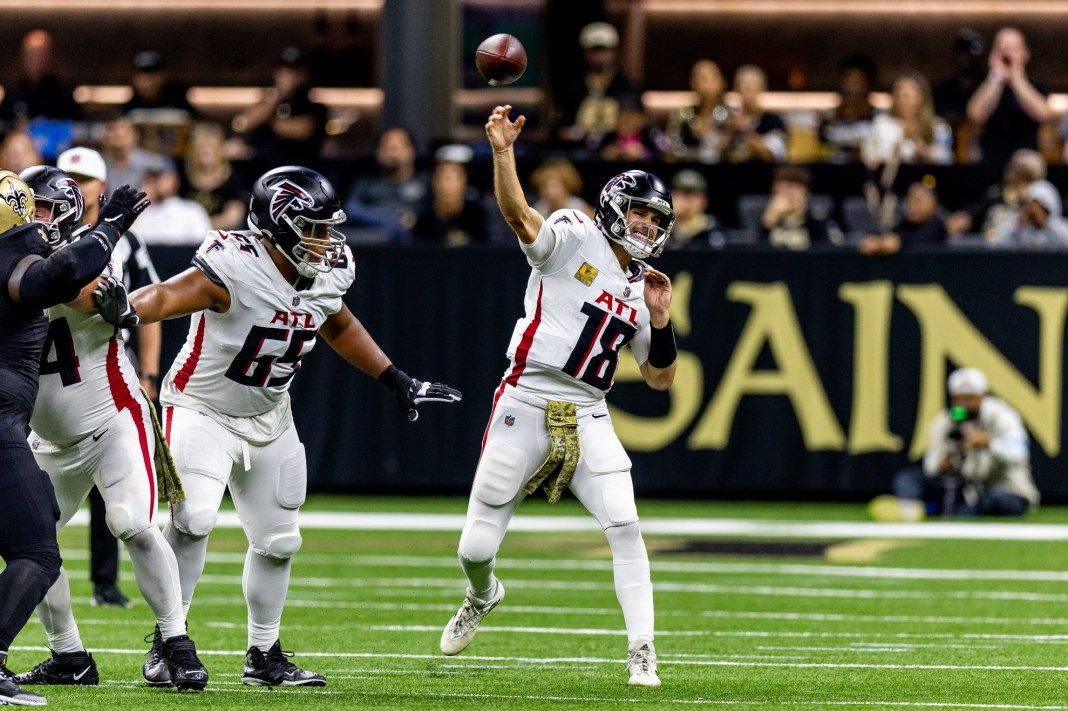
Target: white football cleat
point(641, 664)
point(463, 625)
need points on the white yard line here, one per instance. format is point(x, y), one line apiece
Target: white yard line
point(756, 528)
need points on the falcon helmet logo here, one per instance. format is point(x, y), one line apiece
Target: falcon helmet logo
point(286, 194)
point(70, 189)
point(613, 186)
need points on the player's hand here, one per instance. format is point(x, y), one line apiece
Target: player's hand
point(123, 208)
point(501, 132)
point(417, 392)
point(113, 303)
point(657, 296)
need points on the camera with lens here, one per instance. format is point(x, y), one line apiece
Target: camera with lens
point(954, 485)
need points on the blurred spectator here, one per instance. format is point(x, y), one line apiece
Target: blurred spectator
point(921, 224)
point(788, 220)
point(210, 179)
point(343, 54)
point(170, 219)
point(559, 187)
point(846, 127)
point(38, 92)
point(1000, 203)
point(1040, 223)
point(632, 139)
point(694, 228)
point(394, 198)
point(18, 152)
point(1008, 106)
point(951, 95)
point(589, 107)
point(158, 107)
point(127, 162)
point(910, 132)
point(153, 88)
point(287, 126)
point(454, 217)
point(754, 134)
point(696, 132)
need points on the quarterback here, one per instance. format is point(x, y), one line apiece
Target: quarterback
point(588, 295)
point(260, 299)
point(91, 425)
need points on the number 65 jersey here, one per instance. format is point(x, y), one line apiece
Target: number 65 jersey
point(581, 309)
point(236, 366)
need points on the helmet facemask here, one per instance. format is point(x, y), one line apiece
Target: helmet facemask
point(639, 239)
point(58, 219)
point(319, 246)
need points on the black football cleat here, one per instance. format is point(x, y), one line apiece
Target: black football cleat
point(11, 694)
point(109, 596)
point(154, 670)
point(184, 666)
point(275, 669)
point(71, 669)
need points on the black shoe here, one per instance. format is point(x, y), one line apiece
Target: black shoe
point(275, 669)
point(73, 668)
point(10, 693)
point(185, 668)
point(154, 670)
point(109, 596)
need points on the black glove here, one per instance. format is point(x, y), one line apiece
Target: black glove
point(113, 302)
point(123, 208)
point(409, 392)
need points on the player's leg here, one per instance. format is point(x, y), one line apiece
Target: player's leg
point(103, 556)
point(204, 454)
point(28, 547)
point(516, 444)
point(602, 483)
point(69, 663)
point(268, 497)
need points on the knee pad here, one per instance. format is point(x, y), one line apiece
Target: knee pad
point(480, 541)
point(195, 522)
point(502, 470)
point(279, 547)
point(626, 542)
point(122, 522)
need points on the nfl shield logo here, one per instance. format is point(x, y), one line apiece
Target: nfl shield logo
point(626, 292)
point(296, 301)
point(509, 420)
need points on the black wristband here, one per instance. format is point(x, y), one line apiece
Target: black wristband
point(393, 378)
point(662, 351)
point(148, 376)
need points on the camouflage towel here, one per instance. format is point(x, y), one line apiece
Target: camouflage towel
point(555, 473)
point(167, 481)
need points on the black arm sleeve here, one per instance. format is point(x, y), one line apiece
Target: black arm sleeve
point(59, 278)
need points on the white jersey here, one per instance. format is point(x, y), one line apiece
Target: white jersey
point(236, 366)
point(86, 377)
point(581, 309)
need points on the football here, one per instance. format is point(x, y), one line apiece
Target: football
point(501, 59)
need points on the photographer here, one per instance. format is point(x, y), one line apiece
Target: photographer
point(977, 462)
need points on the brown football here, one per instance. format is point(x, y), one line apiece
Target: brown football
point(501, 59)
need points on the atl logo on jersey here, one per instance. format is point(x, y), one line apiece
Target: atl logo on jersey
point(285, 194)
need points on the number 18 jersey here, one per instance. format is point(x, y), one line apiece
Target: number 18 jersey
point(581, 309)
point(236, 366)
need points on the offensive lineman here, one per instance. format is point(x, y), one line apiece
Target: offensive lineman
point(260, 299)
point(92, 426)
point(35, 279)
point(588, 295)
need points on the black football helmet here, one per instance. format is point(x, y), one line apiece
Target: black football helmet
point(297, 209)
point(59, 202)
point(619, 195)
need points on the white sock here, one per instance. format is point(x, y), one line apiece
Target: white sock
point(58, 619)
point(156, 573)
point(265, 584)
point(190, 554)
point(634, 586)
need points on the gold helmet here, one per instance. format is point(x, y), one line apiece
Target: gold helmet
point(16, 201)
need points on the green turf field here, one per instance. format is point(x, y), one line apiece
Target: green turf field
point(800, 623)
